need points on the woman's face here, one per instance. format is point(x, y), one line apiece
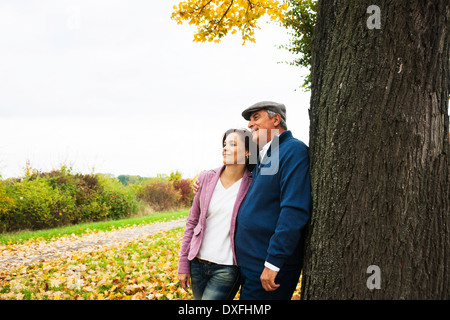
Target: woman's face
point(234, 150)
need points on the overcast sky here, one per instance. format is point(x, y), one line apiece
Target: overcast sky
point(118, 87)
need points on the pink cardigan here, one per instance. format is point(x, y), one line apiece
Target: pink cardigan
point(196, 221)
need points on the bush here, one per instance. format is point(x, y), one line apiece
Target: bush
point(84, 189)
point(184, 187)
point(120, 201)
point(60, 197)
point(37, 206)
point(57, 198)
point(161, 196)
point(6, 204)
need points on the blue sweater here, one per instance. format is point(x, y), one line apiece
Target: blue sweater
point(276, 208)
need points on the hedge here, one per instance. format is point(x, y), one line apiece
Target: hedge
point(59, 197)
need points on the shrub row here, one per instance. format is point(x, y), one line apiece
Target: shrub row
point(59, 197)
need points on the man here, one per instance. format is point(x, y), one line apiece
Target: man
point(269, 240)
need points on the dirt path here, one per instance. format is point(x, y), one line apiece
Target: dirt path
point(35, 251)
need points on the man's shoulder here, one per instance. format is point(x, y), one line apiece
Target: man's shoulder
point(294, 145)
point(298, 143)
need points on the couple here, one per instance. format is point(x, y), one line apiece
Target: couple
point(245, 225)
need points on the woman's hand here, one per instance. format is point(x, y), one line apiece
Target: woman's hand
point(184, 279)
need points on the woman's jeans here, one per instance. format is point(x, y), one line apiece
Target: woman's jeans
point(210, 281)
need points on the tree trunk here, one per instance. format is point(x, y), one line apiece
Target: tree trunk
point(379, 146)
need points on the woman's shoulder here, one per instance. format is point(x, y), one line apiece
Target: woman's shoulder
point(208, 174)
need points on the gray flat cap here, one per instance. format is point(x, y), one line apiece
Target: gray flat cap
point(267, 105)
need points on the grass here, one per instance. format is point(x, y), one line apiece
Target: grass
point(47, 234)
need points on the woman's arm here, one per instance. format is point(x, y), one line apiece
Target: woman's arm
point(191, 223)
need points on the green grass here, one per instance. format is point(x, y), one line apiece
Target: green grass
point(47, 234)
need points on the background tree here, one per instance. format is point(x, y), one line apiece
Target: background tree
point(214, 19)
point(300, 19)
point(379, 146)
point(175, 176)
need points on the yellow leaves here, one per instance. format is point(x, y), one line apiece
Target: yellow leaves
point(129, 270)
point(133, 288)
point(142, 269)
point(215, 18)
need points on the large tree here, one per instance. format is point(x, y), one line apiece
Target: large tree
point(379, 148)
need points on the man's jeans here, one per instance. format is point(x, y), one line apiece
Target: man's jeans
point(213, 281)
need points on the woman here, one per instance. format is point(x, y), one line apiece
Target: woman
point(207, 258)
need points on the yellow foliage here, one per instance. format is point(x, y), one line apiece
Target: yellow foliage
point(215, 18)
point(139, 269)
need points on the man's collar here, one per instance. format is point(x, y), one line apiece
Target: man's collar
point(264, 149)
point(280, 137)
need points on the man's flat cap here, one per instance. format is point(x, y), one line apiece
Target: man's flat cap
point(267, 105)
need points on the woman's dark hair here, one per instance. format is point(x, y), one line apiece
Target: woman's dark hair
point(250, 146)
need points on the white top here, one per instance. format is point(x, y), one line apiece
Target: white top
point(216, 245)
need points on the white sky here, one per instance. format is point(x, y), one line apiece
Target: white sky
point(120, 87)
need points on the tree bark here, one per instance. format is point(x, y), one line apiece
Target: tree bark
point(379, 148)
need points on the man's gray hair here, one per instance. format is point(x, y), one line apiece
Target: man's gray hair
point(282, 123)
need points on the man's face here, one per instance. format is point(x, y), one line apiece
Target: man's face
point(261, 125)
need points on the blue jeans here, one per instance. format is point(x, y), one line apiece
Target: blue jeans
point(213, 281)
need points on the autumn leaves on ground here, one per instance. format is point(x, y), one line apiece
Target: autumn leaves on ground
point(140, 269)
point(144, 268)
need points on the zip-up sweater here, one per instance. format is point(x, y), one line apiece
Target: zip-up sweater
point(276, 209)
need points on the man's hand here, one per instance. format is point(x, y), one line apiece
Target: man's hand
point(196, 183)
point(195, 186)
point(184, 279)
point(268, 279)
